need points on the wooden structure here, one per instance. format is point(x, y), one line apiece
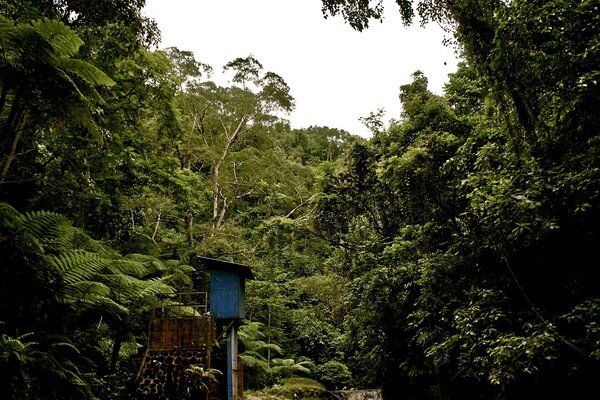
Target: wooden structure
point(227, 302)
point(180, 339)
point(181, 333)
point(183, 329)
point(181, 323)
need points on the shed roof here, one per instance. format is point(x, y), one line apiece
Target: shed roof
point(221, 265)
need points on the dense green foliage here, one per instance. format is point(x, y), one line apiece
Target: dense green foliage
point(449, 256)
point(472, 247)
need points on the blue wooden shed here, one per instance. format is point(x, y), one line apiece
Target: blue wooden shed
point(227, 287)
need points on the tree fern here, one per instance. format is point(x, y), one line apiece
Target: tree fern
point(78, 276)
point(41, 77)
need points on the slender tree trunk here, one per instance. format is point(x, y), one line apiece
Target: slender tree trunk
point(216, 203)
point(15, 110)
point(189, 221)
point(3, 95)
point(13, 149)
point(181, 160)
point(217, 191)
point(114, 357)
point(269, 337)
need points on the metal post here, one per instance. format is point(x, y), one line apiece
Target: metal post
point(232, 363)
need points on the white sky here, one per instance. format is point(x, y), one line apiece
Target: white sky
point(335, 74)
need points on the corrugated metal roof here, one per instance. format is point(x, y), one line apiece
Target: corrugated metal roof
point(222, 265)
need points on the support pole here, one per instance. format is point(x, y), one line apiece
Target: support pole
point(232, 363)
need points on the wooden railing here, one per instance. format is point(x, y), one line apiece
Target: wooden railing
point(180, 305)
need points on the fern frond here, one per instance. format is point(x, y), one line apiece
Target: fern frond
point(131, 289)
point(289, 364)
point(44, 225)
point(186, 269)
point(61, 345)
point(64, 40)
point(108, 305)
point(181, 278)
point(151, 265)
point(64, 76)
point(127, 267)
point(251, 331)
point(140, 258)
point(255, 361)
point(55, 231)
point(179, 266)
point(25, 49)
point(153, 289)
point(259, 345)
point(159, 265)
point(85, 71)
point(172, 263)
point(10, 218)
point(118, 282)
point(62, 237)
point(77, 265)
point(90, 295)
point(85, 290)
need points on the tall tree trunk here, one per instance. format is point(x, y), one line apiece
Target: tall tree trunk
point(222, 214)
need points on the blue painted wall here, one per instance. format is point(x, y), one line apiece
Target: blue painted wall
point(227, 294)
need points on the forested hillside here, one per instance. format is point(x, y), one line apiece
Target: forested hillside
point(450, 256)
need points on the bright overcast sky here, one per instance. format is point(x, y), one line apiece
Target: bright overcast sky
point(335, 74)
